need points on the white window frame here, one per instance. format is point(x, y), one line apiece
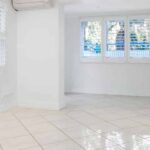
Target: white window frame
point(91, 59)
point(134, 59)
point(102, 58)
point(110, 59)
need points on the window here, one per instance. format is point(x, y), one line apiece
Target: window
point(91, 38)
point(139, 35)
point(115, 39)
point(112, 40)
point(2, 32)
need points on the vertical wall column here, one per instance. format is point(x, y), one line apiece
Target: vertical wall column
point(8, 72)
point(40, 58)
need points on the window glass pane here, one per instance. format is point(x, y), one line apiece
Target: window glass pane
point(91, 38)
point(115, 38)
point(139, 38)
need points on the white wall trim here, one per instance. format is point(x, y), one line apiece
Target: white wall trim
point(104, 92)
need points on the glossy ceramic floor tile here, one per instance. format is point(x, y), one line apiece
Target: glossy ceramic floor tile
point(142, 119)
point(65, 145)
point(142, 131)
point(103, 126)
point(40, 127)
point(18, 143)
point(26, 114)
point(6, 116)
point(52, 136)
point(12, 132)
point(137, 145)
point(97, 143)
point(66, 123)
point(33, 121)
point(121, 137)
point(9, 124)
point(83, 117)
point(89, 122)
point(55, 117)
point(79, 131)
point(34, 148)
point(124, 123)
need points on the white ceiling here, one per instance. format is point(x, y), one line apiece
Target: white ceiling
point(88, 6)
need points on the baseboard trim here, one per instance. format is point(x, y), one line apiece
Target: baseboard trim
point(106, 93)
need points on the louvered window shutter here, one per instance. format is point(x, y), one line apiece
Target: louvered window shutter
point(139, 32)
point(2, 32)
point(115, 39)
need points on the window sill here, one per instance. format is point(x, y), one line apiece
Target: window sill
point(115, 60)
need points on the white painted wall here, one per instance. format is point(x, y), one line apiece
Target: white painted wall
point(35, 68)
point(117, 79)
point(106, 6)
point(40, 61)
point(8, 73)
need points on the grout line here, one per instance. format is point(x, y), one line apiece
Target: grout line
point(28, 131)
point(66, 114)
point(94, 117)
point(107, 120)
point(79, 137)
point(82, 125)
point(95, 132)
point(62, 132)
point(119, 128)
point(102, 132)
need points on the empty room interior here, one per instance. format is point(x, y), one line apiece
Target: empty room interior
point(74, 75)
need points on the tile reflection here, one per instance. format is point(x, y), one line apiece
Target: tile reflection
point(115, 141)
point(97, 142)
point(114, 138)
point(127, 141)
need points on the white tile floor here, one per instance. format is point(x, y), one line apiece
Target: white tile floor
point(90, 122)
